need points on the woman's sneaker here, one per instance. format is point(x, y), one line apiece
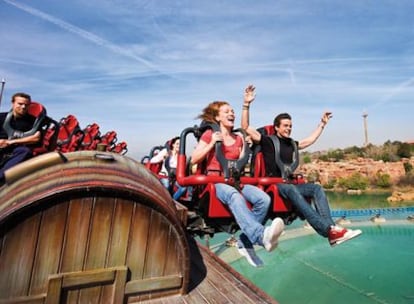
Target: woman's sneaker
point(271, 234)
point(250, 256)
point(338, 235)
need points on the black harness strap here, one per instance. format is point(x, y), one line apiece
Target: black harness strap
point(231, 168)
point(13, 133)
point(286, 169)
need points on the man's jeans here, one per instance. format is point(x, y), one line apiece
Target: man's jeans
point(249, 221)
point(18, 155)
point(320, 216)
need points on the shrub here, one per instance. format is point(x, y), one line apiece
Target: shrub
point(336, 155)
point(330, 184)
point(382, 180)
point(324, 157)
point(307, 159)
point(408, 167)
point(355, 182)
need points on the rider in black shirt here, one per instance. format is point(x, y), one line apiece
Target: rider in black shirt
point(281, 159)
point(16, 134)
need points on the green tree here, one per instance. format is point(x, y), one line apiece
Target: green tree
point(404, 150)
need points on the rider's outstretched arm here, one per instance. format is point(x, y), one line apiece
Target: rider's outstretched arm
point(304, 143)
point(249, 96)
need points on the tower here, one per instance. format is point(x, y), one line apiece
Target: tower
point(365, 115)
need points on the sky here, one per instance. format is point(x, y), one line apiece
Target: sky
point(146, 69)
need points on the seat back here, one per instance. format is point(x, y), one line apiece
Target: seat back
point(120, 148)
point(36, 109)
point(109, 139)
point(154, 167)
point(70, 134)
point(50, 130)
point(267, 130)
point(91, 138)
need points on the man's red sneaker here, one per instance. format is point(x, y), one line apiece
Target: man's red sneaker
point(338, 235)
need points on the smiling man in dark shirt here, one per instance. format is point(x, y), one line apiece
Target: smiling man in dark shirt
point(280, 153)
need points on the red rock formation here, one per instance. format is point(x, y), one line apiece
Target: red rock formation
point(343, 169)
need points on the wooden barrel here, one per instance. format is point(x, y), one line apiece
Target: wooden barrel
point(89, 227)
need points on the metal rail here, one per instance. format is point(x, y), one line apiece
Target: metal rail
point(371, 212)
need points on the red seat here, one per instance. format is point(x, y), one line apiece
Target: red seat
point(279, 204)
point(36, 109)
point(48, 128)
point(120, 148)
point(70, 134)
point(154, 167)
point(109, 139)
point(91, 137)
point(215, 208)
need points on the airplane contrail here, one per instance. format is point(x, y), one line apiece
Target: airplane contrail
point(82, 33)
point(394, 92)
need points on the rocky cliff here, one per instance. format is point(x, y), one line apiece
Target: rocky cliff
point(326, 171)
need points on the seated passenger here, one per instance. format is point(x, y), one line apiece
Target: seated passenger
point(16, 147)
point(278, 164)
point(250, 221)
point(169, 158)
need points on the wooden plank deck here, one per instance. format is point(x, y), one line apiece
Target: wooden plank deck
point(214, 281)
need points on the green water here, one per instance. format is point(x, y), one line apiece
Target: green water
point(340, 200)
point(377, 267)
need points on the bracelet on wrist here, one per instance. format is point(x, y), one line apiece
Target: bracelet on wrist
point(245, 107)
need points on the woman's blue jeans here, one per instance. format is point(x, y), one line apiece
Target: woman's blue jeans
point(320, 216)
point(249, 221)
point(180, 192)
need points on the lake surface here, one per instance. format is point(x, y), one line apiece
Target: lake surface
point(376, 267)
point(341, 200)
